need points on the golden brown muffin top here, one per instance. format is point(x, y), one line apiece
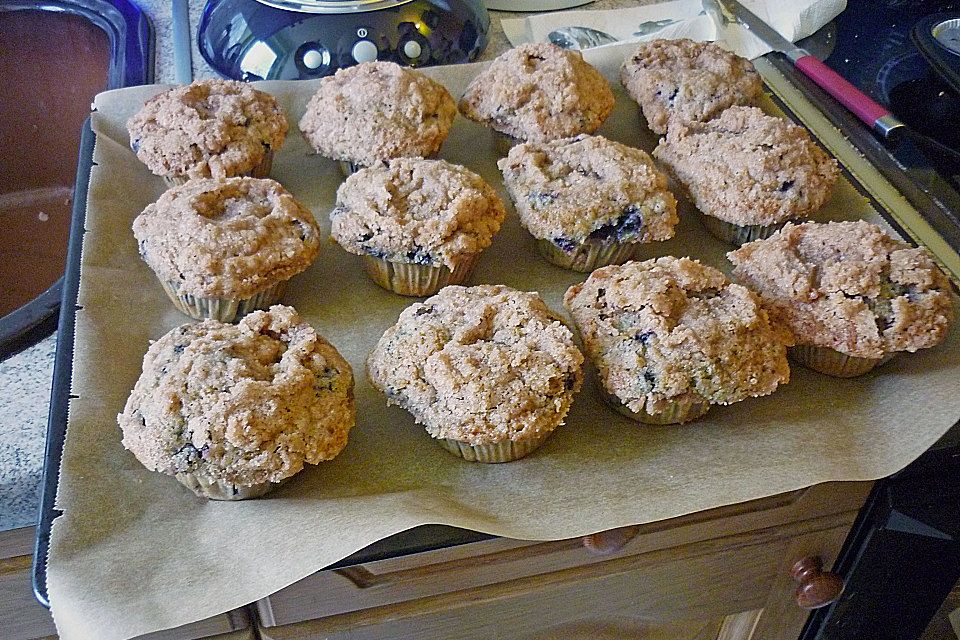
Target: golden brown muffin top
point(539, 92)
point(245, 403)
point(481, 365)
point(688, 81)
point(669, 329)
point(209, 128)
point(848, 286)
point(749, 168)
point(227, 238)
point(376, 111)
point(416, 211)
point(589, 186)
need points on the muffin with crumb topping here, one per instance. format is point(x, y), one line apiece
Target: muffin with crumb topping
point(538, 92)
point(222, 248)
point(588, 201)
point(671, 336)
point(748, 173)
point(377, 111)
point(232, 411)
point(208, 129)
point(489, 371)
point(419, 224)
point(687, 81)
point(851, 295)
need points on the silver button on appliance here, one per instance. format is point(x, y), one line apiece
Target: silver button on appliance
point(314, 58)
point(412, 49)
point(365, 51)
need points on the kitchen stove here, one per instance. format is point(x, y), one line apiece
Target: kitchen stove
point(872, 46)
point(902, 557)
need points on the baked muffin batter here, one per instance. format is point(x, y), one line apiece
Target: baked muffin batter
point(568, 190)
point(376, 111)
point(748, 168)
point(539, 92)
point(246, 403)
point(479, 365)
point(210, 128)
point(672, 329)
point(848, 286)
point(687, 80)
point(230, 238)
point(419, 211)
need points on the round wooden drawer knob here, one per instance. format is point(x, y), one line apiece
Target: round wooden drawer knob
point(610, 541)
point(817, 588)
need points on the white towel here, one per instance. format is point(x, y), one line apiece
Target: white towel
point(793, 19)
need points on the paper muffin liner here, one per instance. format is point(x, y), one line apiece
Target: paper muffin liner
point(833, 362)
point(587, 256)
point(214, 489)
point(262, 170)
point(737, 234)
point(222, 309)
point(417, 279)
point(678, 412)
point(496, 452)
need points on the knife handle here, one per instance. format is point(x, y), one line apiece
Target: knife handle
point(874, 115)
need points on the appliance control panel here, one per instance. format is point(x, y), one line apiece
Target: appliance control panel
point(298, 45)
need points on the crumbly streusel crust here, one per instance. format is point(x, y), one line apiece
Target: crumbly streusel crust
point(664, 330)
point(227, 238)
point(480, 365)
point(848, 286)
point(539, 92)
point(588, 186)
point(687, 80)
point(245, 403)
point(748, 168)
point(376, 111)
point(210, 128)
point(417, 211)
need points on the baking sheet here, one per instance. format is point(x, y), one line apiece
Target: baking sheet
point(135, 552)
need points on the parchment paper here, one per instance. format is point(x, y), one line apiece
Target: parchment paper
point(135, 552)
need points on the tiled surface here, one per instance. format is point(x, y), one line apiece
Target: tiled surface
point(25, 383)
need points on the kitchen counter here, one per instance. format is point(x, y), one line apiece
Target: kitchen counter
point(26, 377)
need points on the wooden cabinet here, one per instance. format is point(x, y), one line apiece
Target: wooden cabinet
point(22, 617)
point(722, 574)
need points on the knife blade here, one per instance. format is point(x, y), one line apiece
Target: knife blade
point(733, 11)
point(874, 115)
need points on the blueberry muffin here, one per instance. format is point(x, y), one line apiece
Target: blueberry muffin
point(208, 129)
point(538, 92)
point(851, 295)
point(587, 200)
point(376, 111)
point(671, 336)
point(747, 172)
point(688, 81)
point(222, 248)
point(488, 370)
point(419, 224)
point(233, 410)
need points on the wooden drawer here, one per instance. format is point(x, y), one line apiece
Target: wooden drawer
point(22, 617)
point(718, 538)
point(730, 587)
